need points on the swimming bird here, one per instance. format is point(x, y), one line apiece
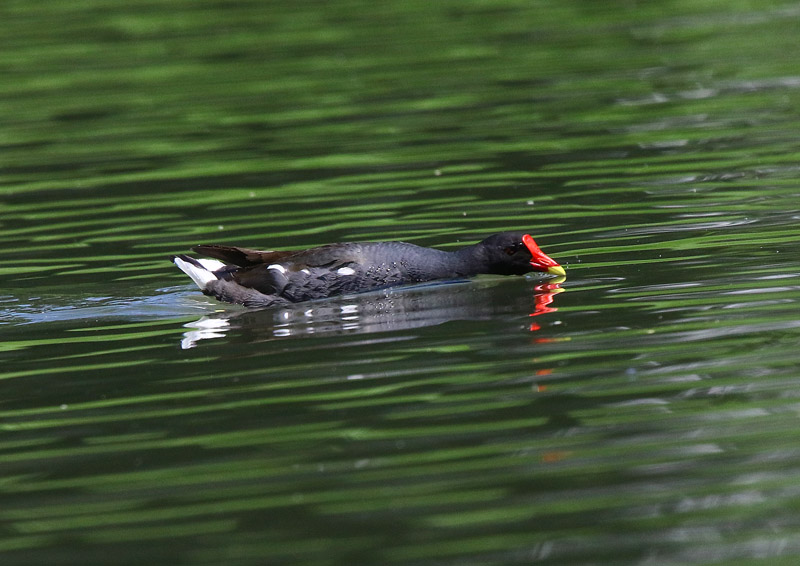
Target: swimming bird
point(263, 278)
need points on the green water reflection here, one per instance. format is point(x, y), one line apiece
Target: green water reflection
point(648, 417)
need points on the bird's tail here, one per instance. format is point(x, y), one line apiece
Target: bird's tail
point(201, 271)
point(212, 277)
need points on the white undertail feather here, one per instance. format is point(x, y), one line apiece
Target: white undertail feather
point(211, 264)
point(199, 273)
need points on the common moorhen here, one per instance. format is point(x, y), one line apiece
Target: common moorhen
point(263, 278)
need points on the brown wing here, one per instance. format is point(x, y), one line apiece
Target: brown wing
point(242, 257)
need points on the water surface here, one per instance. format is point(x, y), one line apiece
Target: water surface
point(644, 411)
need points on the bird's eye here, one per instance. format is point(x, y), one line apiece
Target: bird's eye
point(511, 250)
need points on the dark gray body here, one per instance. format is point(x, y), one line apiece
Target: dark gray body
point(343, 268)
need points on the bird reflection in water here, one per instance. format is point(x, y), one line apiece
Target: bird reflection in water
point(543, 298)
point(390, 309)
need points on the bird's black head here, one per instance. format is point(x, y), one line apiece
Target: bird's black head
point(515, 253)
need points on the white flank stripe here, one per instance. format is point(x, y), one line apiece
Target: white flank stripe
point(345, 271)
point(199, 275)
point(277, 267)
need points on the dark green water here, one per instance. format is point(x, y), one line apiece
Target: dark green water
point(648, 413)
